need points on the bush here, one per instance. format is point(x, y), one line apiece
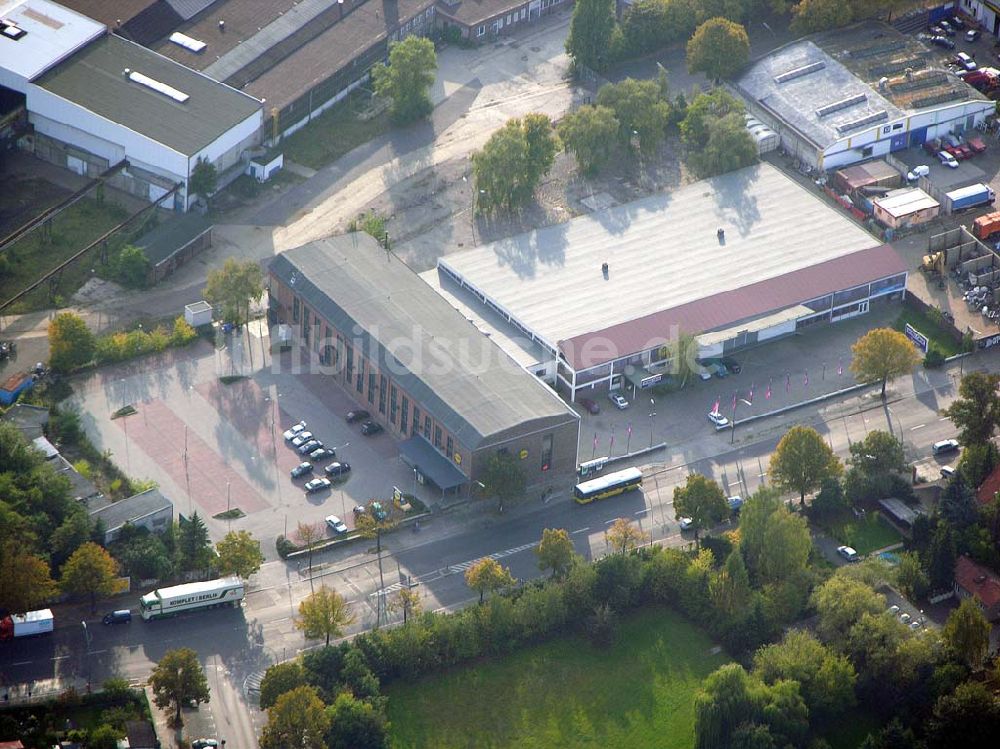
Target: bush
point(131, 267)
point(284, 547)
point(934, 358)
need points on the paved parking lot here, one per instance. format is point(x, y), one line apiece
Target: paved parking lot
point(777, 374)
point(211, 445)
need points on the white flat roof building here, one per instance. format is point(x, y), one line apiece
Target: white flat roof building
point(734, 260)
point(37, 34)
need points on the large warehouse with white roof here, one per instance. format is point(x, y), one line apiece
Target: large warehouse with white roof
point(92, 100)
point(734, 260)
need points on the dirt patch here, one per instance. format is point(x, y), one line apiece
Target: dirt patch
point(430, 214)
point(95, 291)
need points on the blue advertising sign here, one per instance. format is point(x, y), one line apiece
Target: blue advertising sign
point(918, 338)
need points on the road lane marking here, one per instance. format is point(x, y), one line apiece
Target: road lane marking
point(640, 512)
point(21, 663)
point(95, 652)
point(60, 657)
point(918, 426)
point(579, 530)
point(944, 418)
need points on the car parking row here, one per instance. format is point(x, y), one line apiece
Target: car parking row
point(305, 443)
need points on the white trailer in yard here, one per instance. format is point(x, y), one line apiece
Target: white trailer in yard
point(26, 625)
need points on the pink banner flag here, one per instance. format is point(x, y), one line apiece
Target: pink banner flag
point(715, 406)
point(788, 381)
point(630, 429)
point(736, 394)
point(767, 393)
point(840, 366)
point(595, 440)
point(750, 397)
point(807, 378)
point(611, 447)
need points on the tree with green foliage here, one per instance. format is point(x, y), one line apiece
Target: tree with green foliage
point(406, 600)
point(104, 737)
point(968, 718)
point(239, 554)
point(941, 556)
point(72, 533)
point(976, 411)
point(826, 678)
point(967, 633)
point(882, 355)
point(977, 462)
point(719, 49)
point(729, 147)
point(736, 709)
point(233, 287)
point(957, 505)
point(640, 109)
point(131, 267)
point(803, 461)
point(910, 576)
point(298, 719)
point(830, 500)
point(90, 571)
point(840, 602)
point(646, 26)
point(142, 554)
point(624, 536)
point(702, 111)
point(204, 179)
point(407, 78)
point(892, 736)
point(819, 15)
point(873, 464)
point(786, 547)
point(702, 500)
point(512, 162)
point(730, 587)
point(324, 614)
point(590, 134)
point(177, 680)
point(194, 549)
point(755, 519)
point(503, 478)
point(590, 33)
point(278, 679)
point(556, 552)
point(356, 724)
point(488, 576)
point(309, 534)
point(71, 344)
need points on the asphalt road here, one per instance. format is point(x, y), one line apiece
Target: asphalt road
point(237, 645)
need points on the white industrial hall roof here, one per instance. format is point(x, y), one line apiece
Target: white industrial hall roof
point(662, 252)
point(36, 35)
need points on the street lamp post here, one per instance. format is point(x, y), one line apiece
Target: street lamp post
point(652, 414)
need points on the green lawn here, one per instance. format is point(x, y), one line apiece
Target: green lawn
point(931, 328)
point(43, 249)
point(335, 132)
point(865, 535)
point(566, 693)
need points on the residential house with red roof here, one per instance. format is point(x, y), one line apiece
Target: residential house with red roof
point(972, 579)
point(989, 488)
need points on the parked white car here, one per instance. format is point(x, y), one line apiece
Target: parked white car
point(686, 523)
point(718, 419)
point(947, 159)
point(848, 553)
point(618, 399)
point(292, 433)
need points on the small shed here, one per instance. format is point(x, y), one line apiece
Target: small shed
point(908, 206)
point(765, 137)
point(876, 173)
point(198, 314)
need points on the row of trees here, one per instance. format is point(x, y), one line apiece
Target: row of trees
point(630, 117)
point(597, 40)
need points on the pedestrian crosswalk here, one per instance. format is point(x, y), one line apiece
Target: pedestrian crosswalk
point(455, 569)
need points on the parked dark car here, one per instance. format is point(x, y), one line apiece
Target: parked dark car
point(942, 41)
point(322, 453)
point(371, 428)
point(731, 364)
point(338, 469)
point(947, 28)
point(122, 616)
point(301, 470)
point(956, 22)
point(590, 406)
point(307, 447)
point(356, 415)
